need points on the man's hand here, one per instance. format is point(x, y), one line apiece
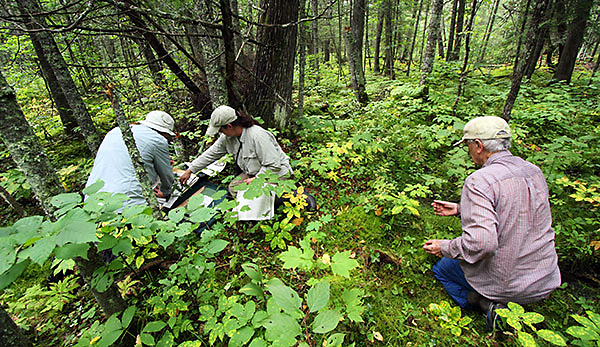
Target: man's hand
point(444, 208)
point(160, 194)
point(433, 247)
point(186, 175)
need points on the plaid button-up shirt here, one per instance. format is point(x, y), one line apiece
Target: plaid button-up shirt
point(507, 246)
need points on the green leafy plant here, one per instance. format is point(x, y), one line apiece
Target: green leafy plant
point(516, 317)
point(588, 332)
point(449, 317)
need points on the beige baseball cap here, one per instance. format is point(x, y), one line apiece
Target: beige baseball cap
point(222, 115)
point(160, 121)
point(485, 128)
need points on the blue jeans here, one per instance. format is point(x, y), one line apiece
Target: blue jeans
point(452, 277)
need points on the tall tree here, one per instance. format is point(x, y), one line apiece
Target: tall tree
point(463, 72)
point(537, 16)
point(274, 66)
point(432, 39)
point(30, 11)
point(568, 56)
point(388, 65)
point(315, 36)
point(27, 152)
point(353, 37)
point(488, 29)
point(378, 32)
point(451, 30)
point(460, 19)
point(301, 58)
point(414, 37)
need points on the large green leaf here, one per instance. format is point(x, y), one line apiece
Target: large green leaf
point(241, 337)
point(76, 228)
point(15, 271)
point(165, 239)
point(202, 215)
point(40, 251)
point(8, 255)
point(285, 297)
point(176, 215)
point(253, 271)
point(326, 321)
point(252, 289)
point(318, 296)
point(295, 258)
point(70, 251)
point(282, 329)
point(551, 337)
point(93, 188)
point(153, 327)
point(335, 340)
point(341, 264)
point(216, 246)
point(26, 228)
point(526, 340)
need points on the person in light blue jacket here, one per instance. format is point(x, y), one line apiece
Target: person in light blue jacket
point(113, 164)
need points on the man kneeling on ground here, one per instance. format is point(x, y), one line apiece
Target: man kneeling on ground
point(506, 250)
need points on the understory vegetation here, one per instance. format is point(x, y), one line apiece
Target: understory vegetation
point(351, 273)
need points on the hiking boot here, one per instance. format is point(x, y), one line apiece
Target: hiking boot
point(493, 321)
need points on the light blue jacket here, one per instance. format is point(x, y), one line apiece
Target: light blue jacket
point(113, 164)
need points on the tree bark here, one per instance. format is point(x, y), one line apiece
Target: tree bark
point(10, 334)
point(26, 151)
point(378, 32)
point(460, 19)
point(55, 59)
point(154, 64)
point(538, 14)
point(315, 34)
point(451, 30)
point(414, 37)
point(388, 64)
point(568, 56)
point(353, 38)
point(423, 35)
point(302, 38)
point(488, 29)
point(229, 47)
point(432, 39)
point(271, 92)
point(463, 73)
point(521, 34)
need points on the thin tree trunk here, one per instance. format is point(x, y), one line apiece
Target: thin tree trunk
point(378, 32)
point(451, 30)
point(271, 92)
point(441, 40)
point(488, 29)
point(10, 334)
point(154, 64)
point(302, 38)
point(414, 38)
point(539, 10)
point(235, 24)
point(432, 39)
point(12, 202)
point(229, 47)
point(366, 40)
point(521, 33)
point(595, 69)
point(388, 64)
point(339, 46)
point(315, 33)
point(423, 35)
point(568, 57)
point(460, 19)
point(463, 73)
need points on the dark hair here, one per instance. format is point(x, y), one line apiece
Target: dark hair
point(244, 120)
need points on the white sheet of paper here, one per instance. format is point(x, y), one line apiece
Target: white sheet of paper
point(261, 208)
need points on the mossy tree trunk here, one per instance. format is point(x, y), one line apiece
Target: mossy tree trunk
point(30, 10)
point(10, 334)
point(271, 90)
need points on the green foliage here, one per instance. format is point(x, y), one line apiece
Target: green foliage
point(516, 317)
point(588, 332)
point(449, 317)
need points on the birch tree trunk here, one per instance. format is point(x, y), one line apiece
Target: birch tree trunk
point(388, 66)
point(26, 151)
point(274, 66)
point(538, 15)
point(568, 56)
point(432, 39)
point(301, 58)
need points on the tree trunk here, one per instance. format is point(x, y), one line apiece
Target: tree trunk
point(55, 59)
point(423, 35)
point(26, 151)
point(538, 14)
point(521, 34)
point(451, 30)
point(153, 64)
point(441, 40)
point(378, 31)
point(315, 34)
point(229, 47)
point(274, 66)
point(595, 69)
point(302, 38)
point(460, 19)
point(353, 38)
point(388, 65)
point(488, 29)
point(432, 39)
point(62, 105)
point(414, 37)
point(561, 17)
point(568, 56)
point(463, 73)
point(10, 334)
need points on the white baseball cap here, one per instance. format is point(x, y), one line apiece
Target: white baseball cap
point(222, 115)
point(160, 121)
point(485, 128)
